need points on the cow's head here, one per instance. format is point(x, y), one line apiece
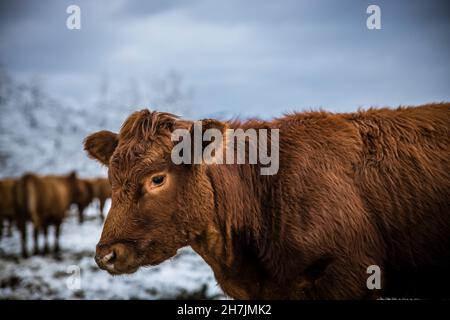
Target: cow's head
point(157, 206)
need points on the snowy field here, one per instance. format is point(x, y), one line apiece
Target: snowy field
point(186, 276)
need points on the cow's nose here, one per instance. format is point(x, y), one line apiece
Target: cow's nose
point(105, 257)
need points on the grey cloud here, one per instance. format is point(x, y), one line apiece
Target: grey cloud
point(245, 57)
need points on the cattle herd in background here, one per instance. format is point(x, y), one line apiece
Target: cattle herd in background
point(45, 201)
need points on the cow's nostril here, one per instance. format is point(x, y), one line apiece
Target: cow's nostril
point(110, 257)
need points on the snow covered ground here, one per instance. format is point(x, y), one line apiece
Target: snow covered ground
point(50, 277)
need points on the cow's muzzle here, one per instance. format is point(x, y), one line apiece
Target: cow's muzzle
point(115, 258)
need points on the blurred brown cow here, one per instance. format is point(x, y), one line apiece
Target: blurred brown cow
point(83, 195)
point(45, 201)
point(102, 191)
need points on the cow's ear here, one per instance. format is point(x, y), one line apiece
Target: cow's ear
point(101, 145)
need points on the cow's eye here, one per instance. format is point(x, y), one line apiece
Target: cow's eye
point(155, 182)
point(158, 180)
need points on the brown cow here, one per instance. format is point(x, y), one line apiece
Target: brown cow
point(101, 191)
point(83, 195)
point(7, 204)
point(44, 200)
point(353, 190)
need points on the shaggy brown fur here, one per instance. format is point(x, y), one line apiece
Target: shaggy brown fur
point(7, 204)
point(44, 200)
point(352, 190)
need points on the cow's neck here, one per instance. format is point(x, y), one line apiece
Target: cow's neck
point(231, 245)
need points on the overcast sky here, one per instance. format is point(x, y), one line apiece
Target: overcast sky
point(257, 58)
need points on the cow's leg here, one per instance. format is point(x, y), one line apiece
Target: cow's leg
point(36, 240)
point(1, 228)
point(57, 232)
point(45, 229)
point(80, 214)
point(23, 233)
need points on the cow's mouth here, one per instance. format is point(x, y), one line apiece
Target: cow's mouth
point(131, 267)
point(114, 269)
point(118, 266)
point(122, 259)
